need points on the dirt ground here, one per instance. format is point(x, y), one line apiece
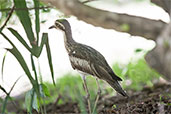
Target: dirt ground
point(156, 100)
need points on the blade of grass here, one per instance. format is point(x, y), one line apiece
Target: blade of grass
point(46, 42)
point(80, 101)
point(3, 62)
point(35, 73)
point(3, 89)
point(50, 60)
point(7, 38)
point(8, 96)
point(25, 20)
point(29, 97)
point(33, 68)
point(32, 101)
point(31, 104)
point(18, 36)
point(19, 57)
point(37, 20)
point(36, 52)
point(40, 74)
point(38, 103)
point(13, 85)
point(39, 50)
point(4, 104)
point(21, 61)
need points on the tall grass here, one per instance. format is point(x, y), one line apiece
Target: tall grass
point(38, 92)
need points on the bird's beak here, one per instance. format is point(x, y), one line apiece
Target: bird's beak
point(51, 27)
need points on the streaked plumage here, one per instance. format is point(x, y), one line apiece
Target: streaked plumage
point(87, 60)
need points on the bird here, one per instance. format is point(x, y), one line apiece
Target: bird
point(87, 61)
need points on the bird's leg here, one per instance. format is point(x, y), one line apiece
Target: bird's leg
point(87, 92)
point(98, 94)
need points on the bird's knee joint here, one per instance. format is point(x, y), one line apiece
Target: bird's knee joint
point(87, 96)
point(99, 92)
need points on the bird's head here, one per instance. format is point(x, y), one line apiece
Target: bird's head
point(61, 24)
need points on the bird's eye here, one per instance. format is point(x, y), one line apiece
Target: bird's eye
point(59, 25)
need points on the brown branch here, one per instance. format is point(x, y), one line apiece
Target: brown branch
point(87, 1)
point(9, 15)
point(159, 58)
point(137, 26)
point(165, 4)
point(43, 7)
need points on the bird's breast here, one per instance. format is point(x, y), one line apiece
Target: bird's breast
point(80, 64)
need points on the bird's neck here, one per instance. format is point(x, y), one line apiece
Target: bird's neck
point(68, 37)
point(68, 40)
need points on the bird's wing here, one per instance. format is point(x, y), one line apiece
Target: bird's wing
point(112, 74)
point(79, 62)
point(102, 73)
point(99, 61)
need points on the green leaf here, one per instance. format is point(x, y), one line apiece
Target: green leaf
point(50, 60)
point(39, 50)
point(35, 51)
point(3, 62)
point(35, 73)
point(114, 106)
point(138, 50)
point(37, 20)
point(13, 86)
point(36, 104)
point(18, 36)
point(25, 19)
point(31, 101)
point(8, 96)
point(4, 104)
point(44, 91)
point(125, 27)
point(28, 100)
point(7, 38)
point(33, 68)
point(21, 61)
point(23, 64)
point(3, 5)
point(80, 99)
point(46, 42)
point(3, 89)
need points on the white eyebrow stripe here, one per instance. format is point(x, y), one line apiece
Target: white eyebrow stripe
point(58, 24)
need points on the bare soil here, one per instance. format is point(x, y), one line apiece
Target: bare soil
point(155, 100)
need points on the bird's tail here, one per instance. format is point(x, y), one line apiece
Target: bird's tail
point(114, 84)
